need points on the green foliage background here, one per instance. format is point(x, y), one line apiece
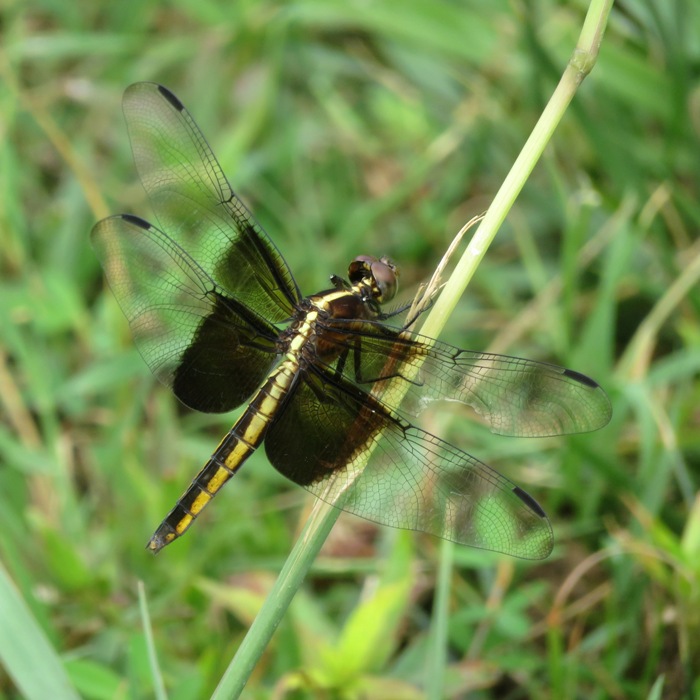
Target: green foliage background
point(356, 127)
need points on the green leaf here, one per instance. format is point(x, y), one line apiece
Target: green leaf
point(25, 651)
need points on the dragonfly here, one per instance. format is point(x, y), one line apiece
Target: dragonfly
point(330, 386)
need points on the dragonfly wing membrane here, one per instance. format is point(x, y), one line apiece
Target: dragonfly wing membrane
point(212, 351)
point(412, 479)
point(195, 204)
point(515, 396)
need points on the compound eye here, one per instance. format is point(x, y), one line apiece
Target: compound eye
point(386, 277)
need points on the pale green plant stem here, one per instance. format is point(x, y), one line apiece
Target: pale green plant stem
point(580, 64)
point(158, 683)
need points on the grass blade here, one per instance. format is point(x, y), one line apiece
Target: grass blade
point(25, 651)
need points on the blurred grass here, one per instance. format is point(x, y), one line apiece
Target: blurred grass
point(351, 128)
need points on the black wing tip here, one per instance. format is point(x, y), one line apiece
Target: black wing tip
point(581, 378)
point(166, 94)
point(136, 221)
point(529, 501)
point(171, 98)
point(601, 399)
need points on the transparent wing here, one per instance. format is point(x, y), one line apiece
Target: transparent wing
point(413, 480)
point(196, 207)
point(514, 396)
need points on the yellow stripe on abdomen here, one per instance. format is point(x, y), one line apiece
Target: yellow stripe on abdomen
point(235, 448)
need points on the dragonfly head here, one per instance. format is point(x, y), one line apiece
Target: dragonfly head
point(379, 274)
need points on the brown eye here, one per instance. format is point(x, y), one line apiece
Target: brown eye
point(386, 277)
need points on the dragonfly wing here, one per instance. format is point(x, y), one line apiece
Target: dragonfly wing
point(196, 206)
point(210, 349)
point(412, 479)
point(513, 395)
